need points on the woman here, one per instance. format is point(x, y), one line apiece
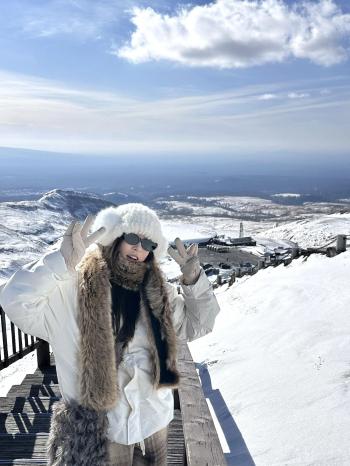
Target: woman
point(112, 321)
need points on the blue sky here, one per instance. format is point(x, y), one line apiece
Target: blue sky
point(228, 77)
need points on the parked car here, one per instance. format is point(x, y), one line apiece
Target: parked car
point(207, 266)
point(224, 265)
point(246, 267)
point(211, 271)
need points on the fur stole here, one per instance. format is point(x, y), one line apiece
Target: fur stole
point(77, 436)
point(98, 362)
point(97, 358)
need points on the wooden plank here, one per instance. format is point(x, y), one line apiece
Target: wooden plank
point(202, 443)
point(23, 462)
point(23, 432)
point(31, 449)
point(19, 333)
point(43, 379)
point(23, 446)
point(48, 370)
point(176, 441)
point(28, 389)
point(26, 404)
point(13, 336)
point(4, 338)
point(24, 423)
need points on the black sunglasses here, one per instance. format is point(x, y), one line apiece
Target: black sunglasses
point(133, 239)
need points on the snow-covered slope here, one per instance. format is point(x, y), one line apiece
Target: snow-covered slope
point(312, 232)
point(278, 360)
point(27, 228)
point(247, 208)
point(77, 204)
point(187, 232)
point(259, 216)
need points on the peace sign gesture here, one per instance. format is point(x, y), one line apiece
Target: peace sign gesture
point(76, 240)
point(187, 260)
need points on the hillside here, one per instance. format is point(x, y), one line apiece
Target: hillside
point(275, 370)
point(278, 360)
point(312, 232)
point(28, 228)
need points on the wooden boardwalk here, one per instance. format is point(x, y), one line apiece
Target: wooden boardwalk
point(25, 415)
point(25, 422)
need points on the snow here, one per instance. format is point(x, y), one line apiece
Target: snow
point(28, 228)
point(286, 195)
point(312, 232)
point(187, 232)
point(15, 373)
point(188, 208)
point(224, 214)
point(279, 358)
point(170, 268)
point(221, 225)
point(276, 368)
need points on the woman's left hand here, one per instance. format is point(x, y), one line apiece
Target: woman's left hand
point(187, 260)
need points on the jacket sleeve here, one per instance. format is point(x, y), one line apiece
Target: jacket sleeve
point(195, 309)
point(34, 296)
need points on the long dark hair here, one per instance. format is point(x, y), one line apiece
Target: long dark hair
point(125, 302)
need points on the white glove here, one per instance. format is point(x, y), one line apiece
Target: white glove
point(76, 240)
point(187, 260)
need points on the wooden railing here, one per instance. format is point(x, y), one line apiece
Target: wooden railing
point(21, 345)
point(202, 443)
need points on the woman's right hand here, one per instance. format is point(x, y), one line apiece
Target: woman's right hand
point(76, 240)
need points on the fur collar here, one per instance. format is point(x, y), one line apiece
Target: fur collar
point(97, 356)
point(127, 274)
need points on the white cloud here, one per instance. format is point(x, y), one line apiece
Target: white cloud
point(267, 96)
point(46, 115)
point(241, 33)
point(298, 95)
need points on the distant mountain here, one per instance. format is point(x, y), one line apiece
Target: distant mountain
point(77, 204)
point(27, 228)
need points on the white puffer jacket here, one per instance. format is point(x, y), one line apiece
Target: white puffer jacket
point(41, 299)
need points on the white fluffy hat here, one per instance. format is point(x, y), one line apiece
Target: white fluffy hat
point(131, 218)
